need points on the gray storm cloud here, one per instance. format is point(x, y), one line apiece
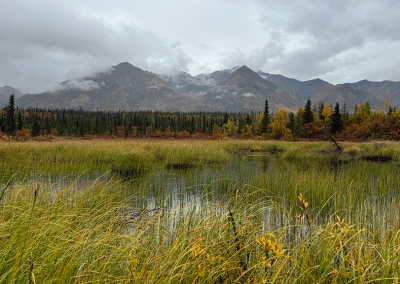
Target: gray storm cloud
point(335, 37)
point(45, 42)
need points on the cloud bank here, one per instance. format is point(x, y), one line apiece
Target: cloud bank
point(45, 42)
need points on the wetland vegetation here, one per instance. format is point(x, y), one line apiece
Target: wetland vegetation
point(190, 211)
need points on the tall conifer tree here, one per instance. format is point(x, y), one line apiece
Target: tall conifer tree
point(21, 123)
point(10, 124)
point(36, 127)
point(265, 120)
point(336, 120)
point(308, 115)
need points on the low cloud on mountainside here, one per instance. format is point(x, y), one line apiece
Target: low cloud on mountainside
point(84, 85)
point(47, 42)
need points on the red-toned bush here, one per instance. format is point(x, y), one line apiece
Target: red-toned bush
point(216, 136)
point(183, 135)
point(54, 132)
point(247, 135)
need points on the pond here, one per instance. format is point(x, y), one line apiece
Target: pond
point(362, 192)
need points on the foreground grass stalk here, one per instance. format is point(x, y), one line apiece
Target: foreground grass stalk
point(94, 235)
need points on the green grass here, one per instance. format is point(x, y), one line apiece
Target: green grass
point(133, 156)
point(97, 235)
point(237, 222)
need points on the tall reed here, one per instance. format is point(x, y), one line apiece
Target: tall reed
point(103, 233)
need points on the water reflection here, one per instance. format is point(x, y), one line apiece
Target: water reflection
point(359, 190)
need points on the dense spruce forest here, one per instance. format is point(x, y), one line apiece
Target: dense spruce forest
point(314, 122)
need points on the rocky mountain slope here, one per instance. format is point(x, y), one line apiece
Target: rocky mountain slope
point(123, 87)
point(245, 90)
point(318, 90)
point(304, 90)
point(344, 93)
point(126, 87)
point(200, 84)
point(380, 89)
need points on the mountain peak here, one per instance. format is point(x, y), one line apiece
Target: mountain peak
point(126, 66)
point(244, 71)
point(244, 68)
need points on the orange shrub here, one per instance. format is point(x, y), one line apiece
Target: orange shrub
point(183, 135)
point(23, 134)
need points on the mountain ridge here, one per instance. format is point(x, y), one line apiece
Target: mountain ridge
point(129, 88)
point(245, 90)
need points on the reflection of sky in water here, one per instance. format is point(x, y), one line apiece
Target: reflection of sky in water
point(196, 188)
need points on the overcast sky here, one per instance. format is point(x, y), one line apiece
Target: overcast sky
point(44, 42)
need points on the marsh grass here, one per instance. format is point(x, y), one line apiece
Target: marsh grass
point(103, 233)
point(270, 217)
point(135, 156)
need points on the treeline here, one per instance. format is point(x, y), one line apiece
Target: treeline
point(35, 122)
point(317, 122)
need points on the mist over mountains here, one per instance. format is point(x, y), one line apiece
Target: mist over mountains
point(5, 93)
point(128, 88)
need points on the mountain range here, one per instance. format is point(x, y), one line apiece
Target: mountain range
point(128, 88)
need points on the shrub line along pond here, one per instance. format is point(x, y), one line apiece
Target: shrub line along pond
point(226, 211)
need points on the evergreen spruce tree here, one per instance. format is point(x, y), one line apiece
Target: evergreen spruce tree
point(115, 128)
point(139, 131)
point(203, 124)
point(210, 126)
point(248, 119)
point(156, 122)
point(47, 125)
point(308, 115)
point(240, 126)
point(36, 127)
point(126, 129)
point(192, 128)
point(345, 112)
point(225, 118)
point(10, 122)
point(20, 121)
point(291, 123)
point(2, 123)
point(81, 127)
point(321, 106)
point(130, 130)
point(96, 126)
point(336, 120)
point(173, 125)
point(265, 120)
point(163, 124)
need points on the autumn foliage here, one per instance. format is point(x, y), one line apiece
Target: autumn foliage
point(318, 122)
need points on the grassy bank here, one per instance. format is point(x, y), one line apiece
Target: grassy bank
point(97, 235)
point(120, 156)
point(132, 156)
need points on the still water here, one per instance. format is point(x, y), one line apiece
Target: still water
point(362, 191)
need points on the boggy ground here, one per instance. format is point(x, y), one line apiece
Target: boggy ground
point(272, 228)
point(96, 235)
point(132, 156)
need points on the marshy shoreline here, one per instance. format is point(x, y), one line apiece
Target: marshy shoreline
point(132, 156)
point(268, 212)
